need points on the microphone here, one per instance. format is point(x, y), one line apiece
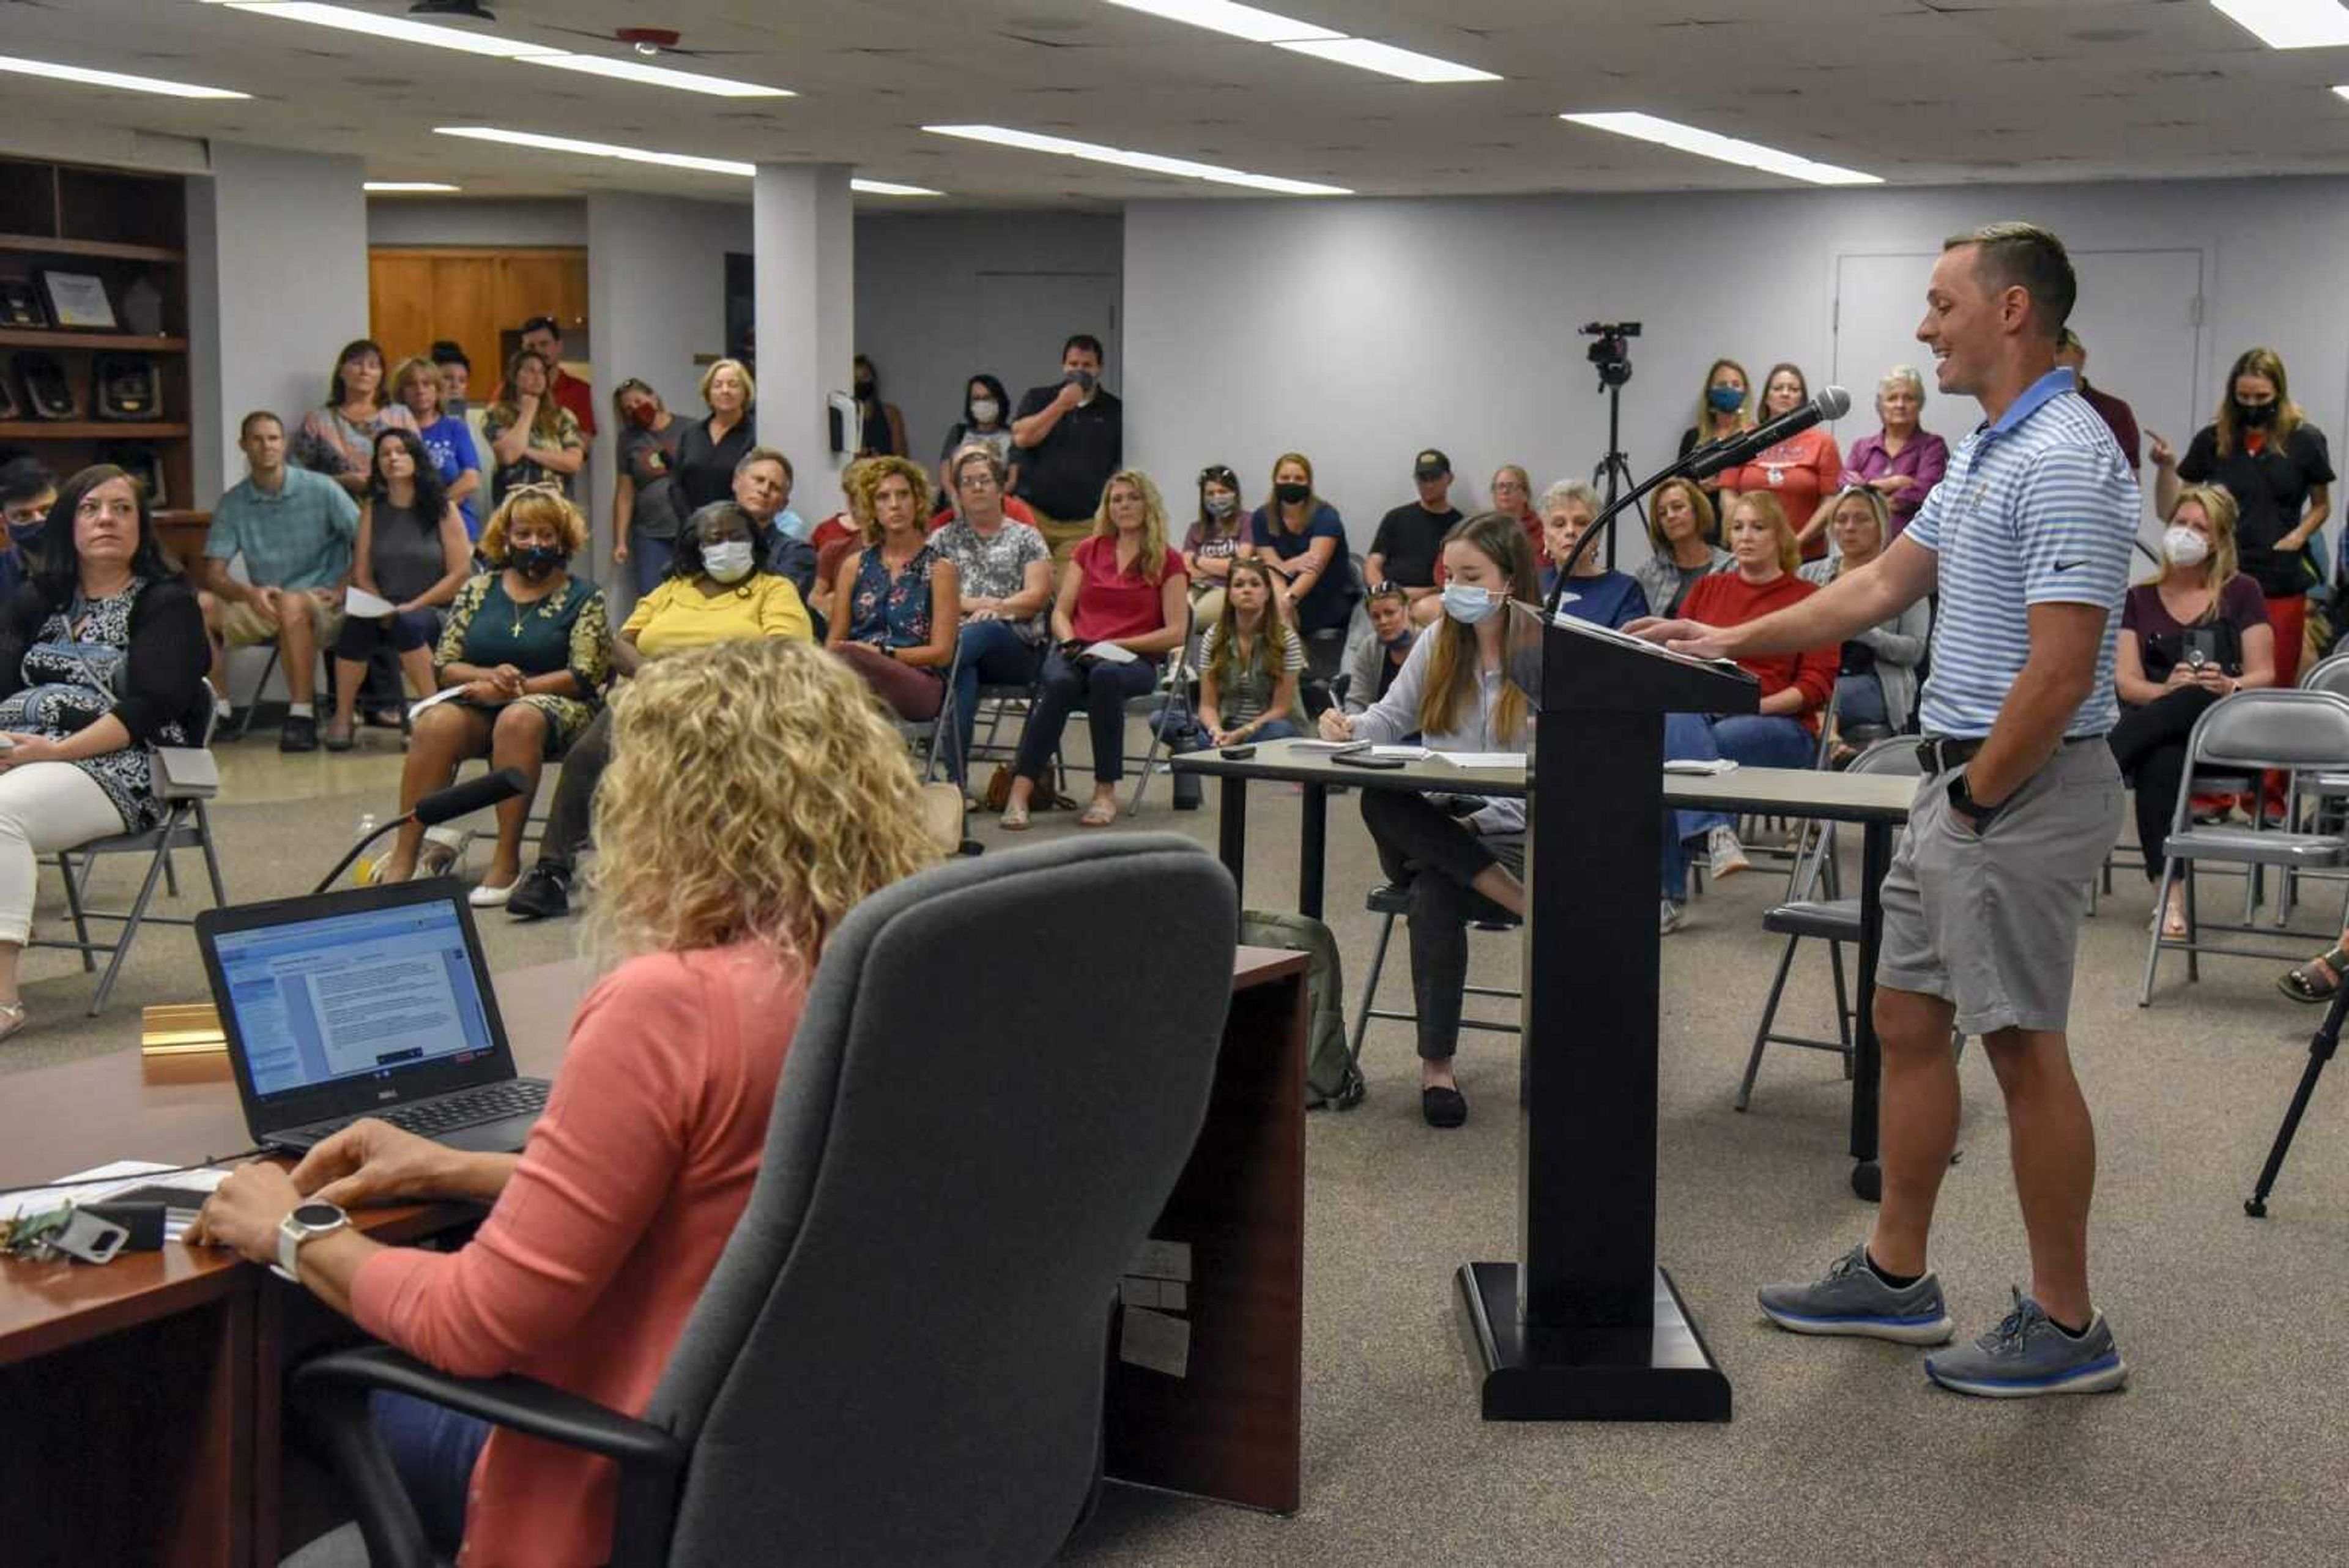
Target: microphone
point(441, 805)
point(1734, 451)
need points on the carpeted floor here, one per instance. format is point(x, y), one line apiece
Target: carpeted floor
point(2226, 1448)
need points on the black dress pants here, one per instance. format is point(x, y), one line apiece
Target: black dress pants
point(1435, 855)
point(2149, 744)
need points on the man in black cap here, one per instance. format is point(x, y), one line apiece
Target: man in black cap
point(1411, 537)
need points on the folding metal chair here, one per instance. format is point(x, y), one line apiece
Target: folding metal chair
point(2254, 732)
point(1172, 706)
point(1388, 901)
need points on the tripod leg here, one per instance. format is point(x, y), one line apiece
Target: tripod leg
point(2321, 1047)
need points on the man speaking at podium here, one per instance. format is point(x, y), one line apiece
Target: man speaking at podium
point(2029, 537)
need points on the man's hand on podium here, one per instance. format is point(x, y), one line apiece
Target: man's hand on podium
point(1692, 637)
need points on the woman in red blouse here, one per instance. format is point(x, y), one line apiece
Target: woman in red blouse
point(1125, 600)
point(1797, 471)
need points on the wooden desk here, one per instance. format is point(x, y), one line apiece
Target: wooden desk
point(139, 1403)
point(1878, 802)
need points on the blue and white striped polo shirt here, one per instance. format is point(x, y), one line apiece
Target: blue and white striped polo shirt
point(2037, 508)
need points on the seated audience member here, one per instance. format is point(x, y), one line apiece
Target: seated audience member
point(1459, 855)
point(1797, 471)
point(1513, 492)
point(2073, 355)
point(1248, 665)
point(27, 490)
point(101, 658)
point(762, 485)
point(533, 439)
point(1795, 687)
point(1003, 571)
point(603, 1233)
point(1374, 661)
point(881, 428)
point(1214, 542)
point(718, 590)
point(1876, 683)
point(1596, 593)
point(2196, 633)
point(644, 519)
point(296, 530)
point(1680, 530)
point(1901, 462)
point(985, 421)
point(1411, 537)
point(897, 602)
point(528, 647)
point(337, 439)
point(713, 447)
point(838, 536)
point(1122, 591)
point(412, 550)
point(1723, 410)
point(448, 443)
point(1302, 539)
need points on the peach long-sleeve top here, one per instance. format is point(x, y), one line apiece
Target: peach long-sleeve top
point(585, 1271)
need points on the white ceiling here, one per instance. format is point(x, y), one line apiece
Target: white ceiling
point(1920, 92)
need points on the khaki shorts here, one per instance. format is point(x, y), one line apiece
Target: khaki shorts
point(1990, 922)
point(1064, 537)
point(244, 626)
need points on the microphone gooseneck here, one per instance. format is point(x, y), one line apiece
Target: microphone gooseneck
point(440, 807)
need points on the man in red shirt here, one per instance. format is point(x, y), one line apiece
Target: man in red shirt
point(543, 336)
point(2073, 355)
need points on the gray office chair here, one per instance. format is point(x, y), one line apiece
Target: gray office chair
point(2252, 732)
point(900, 1355)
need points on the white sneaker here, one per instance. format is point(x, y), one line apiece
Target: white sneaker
point(1670, 920)
point(1726, 855)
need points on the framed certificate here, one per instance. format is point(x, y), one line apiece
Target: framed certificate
point(78, 299)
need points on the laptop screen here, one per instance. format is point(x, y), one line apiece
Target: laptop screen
point(353, 996)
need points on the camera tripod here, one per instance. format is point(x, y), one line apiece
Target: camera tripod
point(2321, 1046)
point(1613, 473)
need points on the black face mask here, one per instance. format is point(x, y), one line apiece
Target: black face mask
point(2254, 416)
point(536, 562)
point(863, 386)
point(1292, 494)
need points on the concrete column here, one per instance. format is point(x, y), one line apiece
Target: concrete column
point(804, 224)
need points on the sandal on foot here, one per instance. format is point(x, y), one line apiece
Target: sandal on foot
point(12, 1018)
point(2309, 982)
point(1013, 820)
point(1100, 814)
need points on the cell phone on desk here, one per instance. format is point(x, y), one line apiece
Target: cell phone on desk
point(1237, 754)
point(1367, 760)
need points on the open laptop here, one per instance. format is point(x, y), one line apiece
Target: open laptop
point(369, 1001)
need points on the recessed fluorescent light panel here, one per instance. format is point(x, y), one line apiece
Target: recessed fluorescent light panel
point(889, 188)
point(1029, 141)
point(2291, 24)
point(1388, 60)
point(657, 76)
point(1240, 21)
point(112, 80)
point(595, 149)
point(1727, 148)
point(406, 187)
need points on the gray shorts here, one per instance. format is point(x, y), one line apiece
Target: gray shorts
point(1990, 922)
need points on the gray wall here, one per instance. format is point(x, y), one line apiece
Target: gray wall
point(453, 221)
point(1360, 331)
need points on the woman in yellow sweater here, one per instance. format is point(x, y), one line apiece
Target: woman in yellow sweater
point(718, 590)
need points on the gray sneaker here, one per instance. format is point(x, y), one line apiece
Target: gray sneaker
point(1851, 1299)
point(2026, 1354)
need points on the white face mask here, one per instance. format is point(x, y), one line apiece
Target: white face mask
point(728, 561)
point(2184, 547)
point(984, 410)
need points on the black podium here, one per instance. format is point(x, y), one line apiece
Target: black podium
point(1586, 1326)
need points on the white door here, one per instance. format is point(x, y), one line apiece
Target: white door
point(2139, 313)
point(1024, 316)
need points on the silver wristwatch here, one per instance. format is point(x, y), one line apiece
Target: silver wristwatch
point(308, 1221)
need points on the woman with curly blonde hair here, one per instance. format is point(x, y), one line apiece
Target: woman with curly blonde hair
point(897, 602)
point(604, 1232)
point(1125, 601)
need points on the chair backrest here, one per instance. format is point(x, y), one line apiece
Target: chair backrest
point(2268, 728)
point(1895, 758)
point(1000, 1071)
point(2327, 675)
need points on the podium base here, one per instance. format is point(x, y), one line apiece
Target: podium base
point(1532, 1373)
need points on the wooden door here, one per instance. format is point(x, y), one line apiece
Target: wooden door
point(400, 313)
point(543, 283)
point(465, 309)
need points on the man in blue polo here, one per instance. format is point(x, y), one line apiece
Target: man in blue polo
point(2029, 539)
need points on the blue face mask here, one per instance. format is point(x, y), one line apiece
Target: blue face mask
point(1467, 604)
point(23, 535)
point(1724, 400)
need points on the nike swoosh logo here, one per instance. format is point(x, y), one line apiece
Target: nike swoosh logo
point(2067, 566)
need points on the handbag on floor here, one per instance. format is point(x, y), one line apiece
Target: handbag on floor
point(1331, 1079)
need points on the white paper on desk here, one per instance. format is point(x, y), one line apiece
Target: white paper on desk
point(358, 601)
point(1483, 759)
point(1155, 1340)
point(1402, 753)
point(445, 694)
point(1111, 653)
point(1700, 765)
point(1324, 748)
point(128, 1174)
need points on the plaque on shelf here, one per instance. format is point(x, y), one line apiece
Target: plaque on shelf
point(125, 387)
point(77, 299)
point(145, 465)
point(20, 304)
point(48, 394)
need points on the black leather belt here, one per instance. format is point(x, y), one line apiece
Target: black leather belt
point(1942, 753)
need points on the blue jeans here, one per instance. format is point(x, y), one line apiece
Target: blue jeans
point(648, 561)
point(432, 1450)
point(993, 654)
point(1754, 740)
point(1860, 699)
point(1102, 690)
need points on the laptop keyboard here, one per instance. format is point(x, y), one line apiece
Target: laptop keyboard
point(471, 1107)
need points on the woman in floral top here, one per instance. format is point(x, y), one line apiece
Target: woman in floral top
point(1004, 572)
point(898, 601)
point(532, 439)
point(527, 648)
point(338, 439)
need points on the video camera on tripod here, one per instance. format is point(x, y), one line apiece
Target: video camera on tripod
point(1612, 353)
